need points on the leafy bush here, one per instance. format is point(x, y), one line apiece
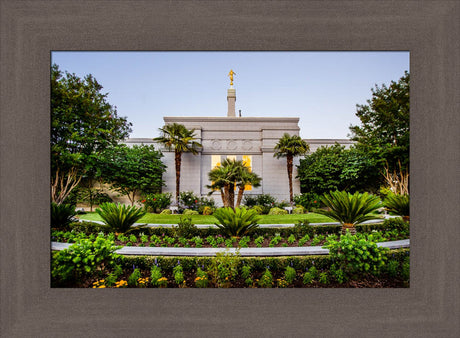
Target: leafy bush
point(223, 268)
point(277, 211)
point(185, 227)
point(188, 200)
point(264, 203)
point(298, 210)
point(190, 212)
point(397, 204)
point(178, 272)
point(83, 258)
point(201, 280)
point(119, 217)
point(258, 209)
point(309, 201)
point(397, 224)
point(355, 255)
point(133, 279)
point(238, 222)
point(166, 212)
point(62, 215)
point(290, 274)
point(157, 202)
point(266, 281)
point(155, 275)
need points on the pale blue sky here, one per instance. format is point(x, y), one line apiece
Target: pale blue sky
point(322, 88)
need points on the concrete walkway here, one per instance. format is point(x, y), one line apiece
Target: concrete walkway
point(280, 251)
point(205, 226)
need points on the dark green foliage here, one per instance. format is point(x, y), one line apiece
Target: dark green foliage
point(290, 274)
point(185, 227)
point(133, 279)
point(337, 168)
point(264, 201)
point(120, 217)
point(384, 129)
point(397, 224)
point(238, 222)
point(356, 255)
point(132, 170)
point(350, 209)
point(266, 280)
point(83, 124)
point(310, 201)
point(156, 202)
point(62, 215)
point(397, 204)
point(83, 258)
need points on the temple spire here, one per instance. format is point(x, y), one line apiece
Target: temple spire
point(231, 96)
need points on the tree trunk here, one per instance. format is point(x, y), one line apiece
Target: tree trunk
point(350, 227)
point(231, 196)
point(227, 195)
point(62, 186)
point(240, 195)
point(178, 159)
point(289, 160)
point(222, 195)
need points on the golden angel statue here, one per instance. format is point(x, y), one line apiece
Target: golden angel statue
point(231, 76)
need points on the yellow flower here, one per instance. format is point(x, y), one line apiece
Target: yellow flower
point(102, 286)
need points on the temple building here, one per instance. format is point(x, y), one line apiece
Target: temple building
point(250, 139)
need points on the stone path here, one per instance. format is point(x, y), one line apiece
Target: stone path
point(281, 251)
point(157, 225)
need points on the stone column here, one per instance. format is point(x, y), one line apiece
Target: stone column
point(231, 98)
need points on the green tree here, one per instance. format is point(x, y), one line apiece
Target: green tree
point(176, 136)
point(83, 124)
point(337, 168)
point(289, 147)
point(384, 129)
point(229, 175)
point(132, 170)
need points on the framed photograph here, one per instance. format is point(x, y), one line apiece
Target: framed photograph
point(32, 31)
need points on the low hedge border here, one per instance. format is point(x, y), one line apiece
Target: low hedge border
point(300, 229)
point(256, 263)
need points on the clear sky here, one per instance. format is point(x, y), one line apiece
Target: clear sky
point(322, 88)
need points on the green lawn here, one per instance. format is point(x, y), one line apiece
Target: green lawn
point(201, 219)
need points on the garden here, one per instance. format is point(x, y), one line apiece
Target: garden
point(353, 201)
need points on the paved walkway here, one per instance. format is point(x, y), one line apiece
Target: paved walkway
point(280, 251)
point(157, 225)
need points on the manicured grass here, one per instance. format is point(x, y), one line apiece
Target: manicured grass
point(202, 219)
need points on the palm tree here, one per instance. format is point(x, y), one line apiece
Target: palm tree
point(289, 147)
point(229, 174)
point(246, 178)
point(349, 209)
point(180, 138)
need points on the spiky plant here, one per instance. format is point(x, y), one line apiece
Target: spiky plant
point(119, 217)
point(397, 204)
point(350, 209)
point(238, 222)
point(61, 215)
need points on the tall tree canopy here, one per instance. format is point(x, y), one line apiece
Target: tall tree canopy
point(176, 136)
point(384, 129)
point(337, 168)
point(132, 170)
point(289, 147)
point(83, 124)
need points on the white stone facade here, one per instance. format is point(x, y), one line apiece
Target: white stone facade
point(245, 138)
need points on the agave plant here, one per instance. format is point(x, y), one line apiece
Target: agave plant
point(61, 215)
point(398, 204)
point(119, 217)
point(236, 223)
point(350, 209)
